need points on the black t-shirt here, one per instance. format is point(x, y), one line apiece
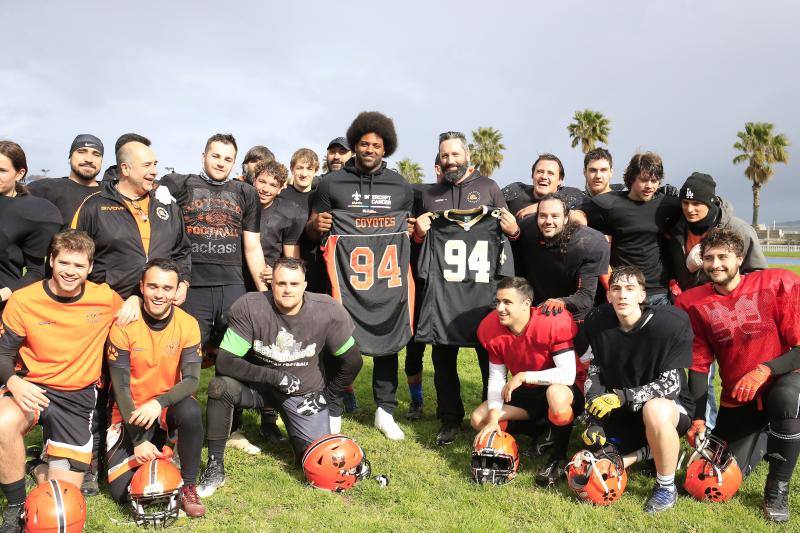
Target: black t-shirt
point(64, 193)
point(637, 232)
point(519, 195)
point(27, 225)
point(309, 249)
point(462, 257)
point(562, 269)
point(302, 199)
point(216, 214)
point(292, 342)
point(281, 224)
point(660, 341)
point(473, 192)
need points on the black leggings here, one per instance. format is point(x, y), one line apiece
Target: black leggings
point(184, 424)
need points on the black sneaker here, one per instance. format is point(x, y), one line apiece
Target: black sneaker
point(270, 432)
point(550, 473)
point(350, 402)
point(213, 478)
point(90, 487)
point(414, 411)
point(447, 434)
point(776, 501)
point(12, 519)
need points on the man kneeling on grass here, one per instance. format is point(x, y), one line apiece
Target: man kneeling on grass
point(636, 380)
point(270, 356)
point(537, 349)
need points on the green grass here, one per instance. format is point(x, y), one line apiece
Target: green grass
point(430, 488)
point(793, 268)
point(782, 254)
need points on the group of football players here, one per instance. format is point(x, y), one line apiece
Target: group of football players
point(610, 304)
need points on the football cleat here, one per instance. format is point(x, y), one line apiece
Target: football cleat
point(495, 459)
point(713, 473)
point(597, 478)
point(335, 463)
point(54, 505)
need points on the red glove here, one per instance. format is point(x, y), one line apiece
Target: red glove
point(697, 433)
point(747, 387)
point(552, 306)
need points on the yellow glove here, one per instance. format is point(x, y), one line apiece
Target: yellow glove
point(603, 404)
point(594, 435)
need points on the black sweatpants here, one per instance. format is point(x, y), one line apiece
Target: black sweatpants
point(450, 406)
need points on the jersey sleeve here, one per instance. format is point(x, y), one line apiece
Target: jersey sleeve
point(339, 337)
point(562, 333)
point(239, 336)
point(680, 355)
point(251, 219)
point(118, 348)
point(505, 262)
point(191, 342)
point(322, 198)
point(788, 308)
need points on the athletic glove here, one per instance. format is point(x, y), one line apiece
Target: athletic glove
point(697, 433)
point(552, 306)
point(604, 404)
point(670, 190)
point(312, 404)
point(694, 261)
point(594, 435)
point(747, 387)
point(286, 383)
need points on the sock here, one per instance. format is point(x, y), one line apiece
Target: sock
point(560, 437)
point(14, 492)
point(783, 448)
point(415, 390)
point(216, 450)
point(667, 482)
point(644, 454)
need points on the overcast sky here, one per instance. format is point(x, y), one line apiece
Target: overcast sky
point(677, 77)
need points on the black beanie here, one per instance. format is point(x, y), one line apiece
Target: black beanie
point(700, 188)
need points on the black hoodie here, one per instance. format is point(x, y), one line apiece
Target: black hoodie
point(350, 189)
point(473, 192)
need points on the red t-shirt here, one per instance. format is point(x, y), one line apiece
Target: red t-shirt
point(543, 338)
point(757, 322)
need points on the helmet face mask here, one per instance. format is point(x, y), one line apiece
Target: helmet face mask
point(713, 473)
point(335, 463)
point(597, 478)
point(155, 495)
point(495, 459)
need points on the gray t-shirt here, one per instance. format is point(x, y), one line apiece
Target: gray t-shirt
point(292, 342)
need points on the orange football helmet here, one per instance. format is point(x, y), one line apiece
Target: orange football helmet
point(155, 493)
point(599, 479)
point(713, 473)
point(55, 506)
point(335, 463)
point(495, 459)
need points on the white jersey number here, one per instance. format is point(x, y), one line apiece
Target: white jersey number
point(455, 255)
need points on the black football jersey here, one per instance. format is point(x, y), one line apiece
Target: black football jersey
point(463, 256)
point(367, 257)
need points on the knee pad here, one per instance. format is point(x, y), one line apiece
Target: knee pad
point(67, 464)
point(783, 398)
point(216, 388)
point(787, 428)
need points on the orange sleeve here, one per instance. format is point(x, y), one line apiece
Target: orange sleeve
point(12, 316)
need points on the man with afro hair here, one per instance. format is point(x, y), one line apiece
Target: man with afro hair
point(377, 270)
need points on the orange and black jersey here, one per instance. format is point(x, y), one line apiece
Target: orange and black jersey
point(152, 354)
point(124, 244)
point(60, 340)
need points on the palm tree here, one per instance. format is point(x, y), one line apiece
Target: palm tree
point(760, 149)
point(486, 150)
point(410, 170)
point(589, 128)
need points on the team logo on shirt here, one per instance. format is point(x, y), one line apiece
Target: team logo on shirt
point(474, 197)
point(162, 213)
point(172, 348)
point(93, 318)
point(356, 197)
point(284, 351)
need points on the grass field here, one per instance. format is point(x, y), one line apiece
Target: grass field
point(430, 488)
point(782, 254)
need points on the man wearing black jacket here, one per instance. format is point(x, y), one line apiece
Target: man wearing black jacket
point(270, 355)
point(461, 187)
point(636, 386)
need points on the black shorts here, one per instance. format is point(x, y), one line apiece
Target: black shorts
point(534, 400)
point(210, 307)
point(625, 429)
point(67, 425)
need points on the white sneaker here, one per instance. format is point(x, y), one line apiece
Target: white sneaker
point(385, 422)
point(336, 424)
point(239, 442)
